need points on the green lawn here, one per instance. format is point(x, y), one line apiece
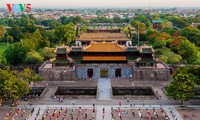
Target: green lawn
point(3, 47)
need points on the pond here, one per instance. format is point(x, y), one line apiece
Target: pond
point(147, 91)
point(76, 91)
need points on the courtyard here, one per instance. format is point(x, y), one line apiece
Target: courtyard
point(50, 106)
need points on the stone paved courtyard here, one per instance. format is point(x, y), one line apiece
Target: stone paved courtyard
point(189, 113)
point(49, 105)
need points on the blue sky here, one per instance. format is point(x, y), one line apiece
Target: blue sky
point(104, 3)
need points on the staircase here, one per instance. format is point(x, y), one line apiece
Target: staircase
point(104, 89)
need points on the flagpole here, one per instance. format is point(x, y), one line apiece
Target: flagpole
point(138, 36)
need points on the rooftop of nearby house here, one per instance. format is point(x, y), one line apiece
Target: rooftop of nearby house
point(157, 21)
point(195, 24)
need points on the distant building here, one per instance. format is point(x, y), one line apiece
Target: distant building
point(157, 24)
point(100, 35)
point(195, 24)
point(104, 53)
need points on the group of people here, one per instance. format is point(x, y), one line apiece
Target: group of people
point(73, 113)
point(60, 99)
point(19, 113)
point(131, 114)
point(172, 113)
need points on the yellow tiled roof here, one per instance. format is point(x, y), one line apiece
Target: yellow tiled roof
point(104, 47)
point(104, 58)
point(103, 36)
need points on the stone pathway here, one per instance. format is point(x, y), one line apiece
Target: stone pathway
point(176, 113)
point(104, 89)
point(100, 113)
point(51, 91)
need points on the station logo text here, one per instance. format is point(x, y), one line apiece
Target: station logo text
point(19, 7)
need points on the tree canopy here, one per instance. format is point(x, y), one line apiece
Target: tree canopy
point(192, 34)
point(15, 84)
point(2, 31)
point(181, 87)
point(188, 51)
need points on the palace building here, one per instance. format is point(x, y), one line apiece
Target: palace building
point(104, 53)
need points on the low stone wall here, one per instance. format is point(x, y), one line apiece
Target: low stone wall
point(151, 74)
point(80, 71)
point(58, 75)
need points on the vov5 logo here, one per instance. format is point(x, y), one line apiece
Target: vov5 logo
point(19, 7)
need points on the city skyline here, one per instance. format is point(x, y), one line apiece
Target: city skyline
point(105, 3)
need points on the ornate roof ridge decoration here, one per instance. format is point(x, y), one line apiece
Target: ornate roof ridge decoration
point(53, 59)
point(67, 48)
point(145, 47)
point(69, 58)
point(84, 48)
point(133, 47)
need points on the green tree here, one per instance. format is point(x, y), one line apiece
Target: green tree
point(53, 24)
point(117, 19)
point(168, 30)
point(47, 53)
point(198, 27)
point(159, 44)
point(10, 38)
point(142, 18)
point(194, 70)
point(83, 29)
point(29, 76)
point(16, 53)
point(163, 58)
point(178, 21)
point(2, 31)
point(75, 19)
point(11, 85)
point(181, 87)
point(139, 25)
point(187, 50)
point(16, 33)
point(33, 58)
point(65, 33)
point(168, 56)
point(15, 88)
point(192, 34)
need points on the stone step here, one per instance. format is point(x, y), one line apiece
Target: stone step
point(104, 89)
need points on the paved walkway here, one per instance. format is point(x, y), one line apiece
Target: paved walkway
point(178, 116)
point(107, 115)
point(51, 91)
point(104, 89)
